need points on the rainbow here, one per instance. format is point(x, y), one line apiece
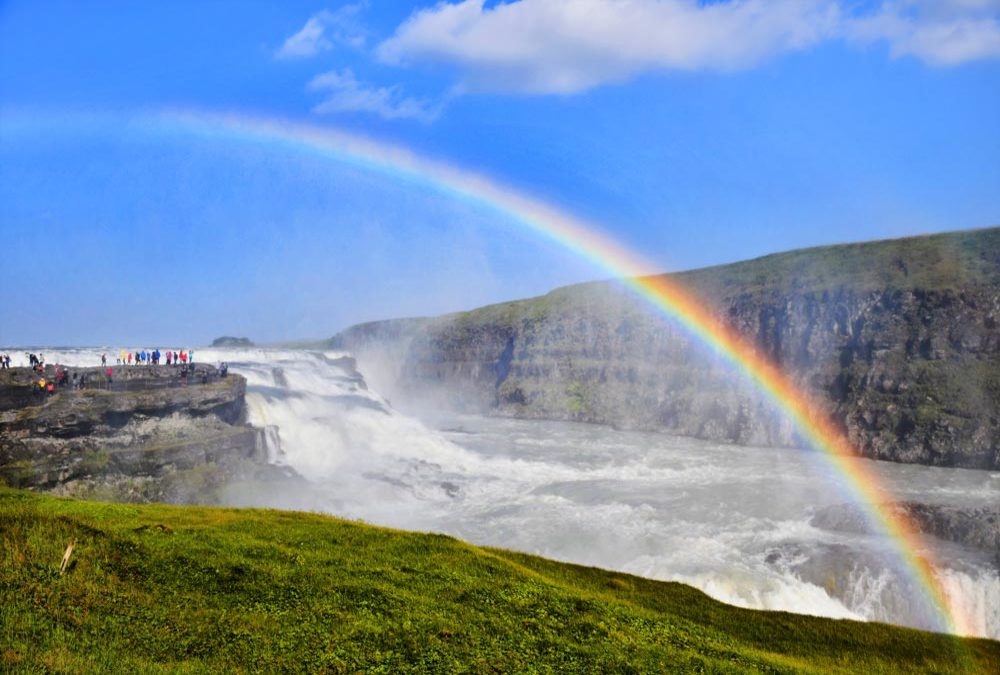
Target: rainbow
point(666, 295)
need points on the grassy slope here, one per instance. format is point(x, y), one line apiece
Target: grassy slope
point(947, 261)
point(940, 262)
point(206, 589)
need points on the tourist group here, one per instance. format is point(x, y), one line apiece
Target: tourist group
point(151, 358)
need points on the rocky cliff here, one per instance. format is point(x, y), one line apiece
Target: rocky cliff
point(148, 434)
point(975, 528)
point(898, 340)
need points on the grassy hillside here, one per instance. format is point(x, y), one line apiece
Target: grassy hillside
point(939, 262)
point(183, 589)
point(947, 261)
point(950, 261)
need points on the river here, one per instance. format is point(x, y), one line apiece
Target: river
point(737, 522)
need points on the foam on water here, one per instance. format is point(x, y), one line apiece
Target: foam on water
point(732, 521)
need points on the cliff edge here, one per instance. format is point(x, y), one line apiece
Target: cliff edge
point(148, 434)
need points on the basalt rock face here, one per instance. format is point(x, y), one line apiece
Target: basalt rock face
point(898, 342)
point(976, 528)
point(149, 434)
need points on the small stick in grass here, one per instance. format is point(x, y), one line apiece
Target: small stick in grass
point(66, 555)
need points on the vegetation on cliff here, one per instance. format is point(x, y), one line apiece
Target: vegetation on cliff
point(159, 588)
point(898, 340)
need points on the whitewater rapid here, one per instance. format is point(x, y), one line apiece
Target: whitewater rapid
point(736, 522)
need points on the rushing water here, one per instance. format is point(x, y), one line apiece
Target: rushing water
point(736, 522)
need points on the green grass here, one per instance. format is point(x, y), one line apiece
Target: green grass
point(940, 262)
point(159, 588)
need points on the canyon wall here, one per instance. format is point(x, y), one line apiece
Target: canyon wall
point(897, 341)
point(148, 435)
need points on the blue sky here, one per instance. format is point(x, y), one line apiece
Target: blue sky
point(697, 132)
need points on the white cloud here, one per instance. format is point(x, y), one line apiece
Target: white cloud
point(307, 42)
point(344, 93)
point(939, 32)
point(540, 46)
point(323, 31)
point(567, 46)
point(948, 7)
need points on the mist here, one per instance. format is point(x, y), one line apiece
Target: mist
point(752, 526)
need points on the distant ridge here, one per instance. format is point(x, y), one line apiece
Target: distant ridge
point(228, 341)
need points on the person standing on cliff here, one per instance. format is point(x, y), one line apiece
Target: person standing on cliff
point(104, 359)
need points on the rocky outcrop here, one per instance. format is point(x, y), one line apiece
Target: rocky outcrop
point(148, 433)
point(230, 341)
point(975, 528)
point(898, 341)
